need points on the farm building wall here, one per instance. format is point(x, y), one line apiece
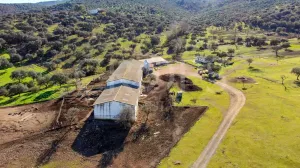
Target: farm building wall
point(111, 110)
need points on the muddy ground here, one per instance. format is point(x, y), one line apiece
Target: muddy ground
point(95, 143)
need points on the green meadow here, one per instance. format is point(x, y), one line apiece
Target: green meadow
point(266, 131)
point(193, 142)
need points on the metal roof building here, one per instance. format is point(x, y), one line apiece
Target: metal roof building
point(122, 91)
point(122, 94)
point(129, 73)
point(156, 61)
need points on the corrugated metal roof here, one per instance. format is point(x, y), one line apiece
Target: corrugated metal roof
point(154, 60)
point(129, 70)
point(121, 94)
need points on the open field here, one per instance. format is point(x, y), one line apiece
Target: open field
point(193, 142)
point(264, 133)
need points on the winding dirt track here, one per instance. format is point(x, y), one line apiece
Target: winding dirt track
point(237, 101)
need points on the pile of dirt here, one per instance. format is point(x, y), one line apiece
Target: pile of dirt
point(183, 82)
point(242, 79)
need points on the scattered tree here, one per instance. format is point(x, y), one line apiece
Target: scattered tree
point(18, 75)
point(231, 52)
point(214, 46)
point(3, 91)
point(33, 75)
point(296, 71)
point(17, 89)
point(60, 78)
point(14, 58)
point(283, 78)
point(4, 64)
point(126, 117)
point(249, 60)
point(44, 80)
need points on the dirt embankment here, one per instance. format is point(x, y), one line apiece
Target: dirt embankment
point(183, 82)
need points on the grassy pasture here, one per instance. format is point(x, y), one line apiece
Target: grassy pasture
point(43, 94)
point(265, 133)
point(193, 142)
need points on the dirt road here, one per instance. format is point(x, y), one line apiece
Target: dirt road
point(237, 101)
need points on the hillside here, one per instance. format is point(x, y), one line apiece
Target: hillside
point(25, 7)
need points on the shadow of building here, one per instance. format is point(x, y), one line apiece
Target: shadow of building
point(99, 137)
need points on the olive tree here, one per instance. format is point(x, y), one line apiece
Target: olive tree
point(14, 58)
point(17, 89)
point(126, 117)
point(44, 81)
point(18, 75)
point(33, 75)
point(59, 78)
point(4, 64)
point(296, 71)
point(249, 60)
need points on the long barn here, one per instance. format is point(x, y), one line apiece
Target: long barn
point(122, 92)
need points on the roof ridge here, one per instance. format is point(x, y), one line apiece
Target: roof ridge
point(123, 76)
point(117, 93)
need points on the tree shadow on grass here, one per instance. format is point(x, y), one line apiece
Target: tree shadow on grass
point(9, 101)
point(297, 83)
point(26, 98)
point(2, 73)
point(256, 70)
point(101, 137)
point(45, 95)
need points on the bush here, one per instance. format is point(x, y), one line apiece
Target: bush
point(126, 117)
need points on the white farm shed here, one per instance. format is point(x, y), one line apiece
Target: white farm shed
point(111, 102)
point(129, 73)
point(155, 61)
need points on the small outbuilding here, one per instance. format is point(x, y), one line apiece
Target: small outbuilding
point(153, 62)
point(110, 104)
point(201, 60)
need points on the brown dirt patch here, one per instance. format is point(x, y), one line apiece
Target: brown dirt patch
point(177, 68)
point(100, 143)
point(17, 122)
point(241, 79)
point(183, 82)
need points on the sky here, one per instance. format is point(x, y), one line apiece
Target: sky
point(22, 1)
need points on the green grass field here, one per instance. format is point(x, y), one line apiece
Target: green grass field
point(193, 142)
point(43, 94)
point(266, 131)
point(5, 74)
